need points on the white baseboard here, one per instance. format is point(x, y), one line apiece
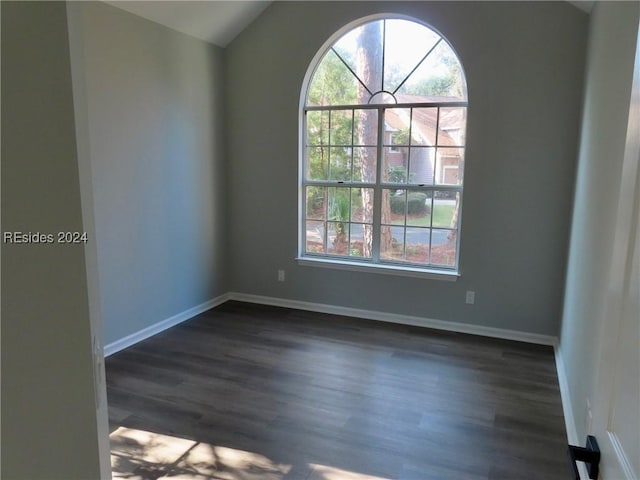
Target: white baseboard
point(401, 319)
point(156, 328)
point(506, 334)
point(567, 409)
point(569, 418)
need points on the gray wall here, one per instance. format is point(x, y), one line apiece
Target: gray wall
point(154, 106)
point(49, 422)
point(609, 76)
point(524, 64)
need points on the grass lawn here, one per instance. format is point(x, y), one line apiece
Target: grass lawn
point(442, 216)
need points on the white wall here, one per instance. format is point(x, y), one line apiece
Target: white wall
point(155, 144)
point(524, 64)
point(609, 76)
point(49, 420)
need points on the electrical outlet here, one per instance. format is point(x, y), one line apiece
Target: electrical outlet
point(471, 297)
point(281, 275)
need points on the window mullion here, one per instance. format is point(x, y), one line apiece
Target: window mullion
point(435, 171)
point(377, 191)
point(329, 143)
point(353, 127)
point(435, 157)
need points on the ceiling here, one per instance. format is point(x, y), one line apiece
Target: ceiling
point(585, 5)
point(213, 21)
point(217, 21)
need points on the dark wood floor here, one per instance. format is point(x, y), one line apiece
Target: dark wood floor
point(255, 392)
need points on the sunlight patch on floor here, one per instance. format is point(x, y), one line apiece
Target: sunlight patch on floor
point(142, 455)
point(323, 472)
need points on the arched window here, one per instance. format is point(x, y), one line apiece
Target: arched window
point(384, 113)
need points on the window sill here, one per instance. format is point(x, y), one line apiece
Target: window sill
point(441, 275)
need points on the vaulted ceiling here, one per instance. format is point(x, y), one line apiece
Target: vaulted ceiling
point(585, 5)
point(217, 21)
point(214, 21)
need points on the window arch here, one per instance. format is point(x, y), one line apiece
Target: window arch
point(384, 113)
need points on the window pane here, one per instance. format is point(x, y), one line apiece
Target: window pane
point(341, 127)
point(356, 240)
point(452, 127)
point(394, 164)
point(318, 128)
point(437, 79)
point(421, 165)
point(339, 204)
point(392, 243)
point(423, 126)
point(315, 237)
point(364, 164)
point(332, 83)
point(317, 163)
point(362, 205)
point(365, 127)
point(406, 43)
point(449, 166)
point(368, 35)
point(417, 245)
point(366, 161)
point(394, 206)
point(444, 206)
point(397, 123)
point(443, 247)
point(419, 208)
point(337, 238)
point(316, 207)
point(340, 163)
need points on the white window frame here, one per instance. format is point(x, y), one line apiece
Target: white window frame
point(393, 147)
point(374, 264)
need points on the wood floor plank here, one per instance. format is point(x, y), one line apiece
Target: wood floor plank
point(295, 395)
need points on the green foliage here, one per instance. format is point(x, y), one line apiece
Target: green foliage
point(397, 204)
point(341, 127)
point(332, 83)
point(435, 86)
point(315, 199)
point(448, 85)
point(397, 174)
point(416, 203)
point(339, 209)
point(340, 162)
point(317, 163)
point(401, 137)
point(339, 205)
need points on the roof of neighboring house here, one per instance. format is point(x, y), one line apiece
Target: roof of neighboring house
point(424, 121)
